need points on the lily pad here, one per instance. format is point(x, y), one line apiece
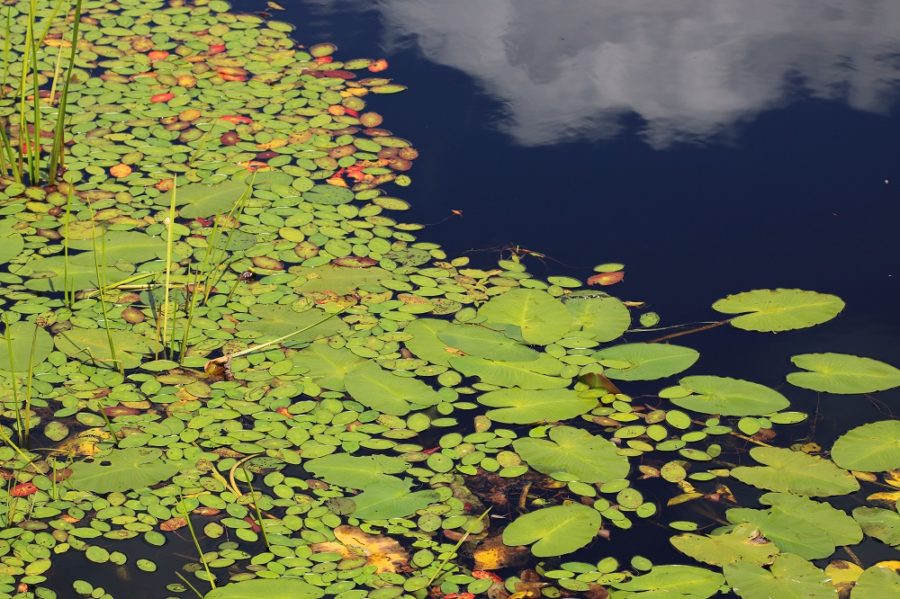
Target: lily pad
point(842, 373)
point(50, 274)
point(326, 366)
point(587, 457)
point(271, 588)
point(808, 528)
point(556, 530)
point(377, 388)
point(603, 318)
point(526, 406)
point(646, 361)
point(790, 577)
point(792, 471)
point(535, 374)
point(726, 396)
point(743, 544)
point(123, 470)
point(873, 447)
point(538, 316)
point(124, 246)
point(276, 320)
point(340, 279)
point(30, 344)
point(877, 582)
point(670, 582)
point(92, 346)
point(331, 195)
point(391, 498)
point(773, 310)
point(201, 201)
point(482, 342)
point(880, 524)
point(355, 472)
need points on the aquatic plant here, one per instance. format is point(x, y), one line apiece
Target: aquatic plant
point(408, 424)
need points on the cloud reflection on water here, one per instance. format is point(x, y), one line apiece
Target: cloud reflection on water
point(690, 69)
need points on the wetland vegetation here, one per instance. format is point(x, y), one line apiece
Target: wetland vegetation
point(219, 336)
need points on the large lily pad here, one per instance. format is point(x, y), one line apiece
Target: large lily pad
point(645, 361)
point(603, 318)
point(574, 451)
point(200, 201)
point(391, 498)
point(276, 320)
point(355, 472)
point(808, 528)
point(743, 544)
point(790, 577)
point(341, 279)
point(670, 582)
point(425, 342)
point(773, 310)
point(880, 524)
point(327, 366)
point(556, 530)
point(124, 246)
point(877, 582)
point(92, 345)
point(331, 195)
point(51, 274)
point(873, 447)
point(377, 388)
point(538, 316)
point(526, 406)
point(30, 344)
point(485, 343)
point(535, 374)
point(725, 396)
point(271, 588)
point(842, 373)
point(123, 470)
point(791, 471)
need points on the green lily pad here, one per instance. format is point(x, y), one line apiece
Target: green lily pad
point(124, 246)
point(201, 201)
point(276, 320)
point(535, 374)
point(271, 588)
point(526, 406)
point(123, 470)
point(842, 373)
point(873, 447)
point(773, 310)
point(589, 458)
point(790, 577)
point(331, 195)
point(795, 472)
point(646, 361)
point(743, 544)
point(877, 582)
point(391, 498)
point(727, 396)
point(482, 342)
point(808, 528)
point(92, 346)
point(50, 274)
point(341, 279)
point(26, 343)
point(603, 318)
point(556, 530)
point(425, 342)
point(377, 388)
point(326, 366)
point(355, 472)
point(11, 245)
point(536, 315)
point(880, 524)
point(670, 582)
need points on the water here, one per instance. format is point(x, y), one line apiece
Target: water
point(711, 147)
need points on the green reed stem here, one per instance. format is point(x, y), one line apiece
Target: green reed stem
point(56, 154)
point(68, 298)
point(170, 244)
point(7, 333)
point(190, 586)
point(259, 519)
point(187, 517)
point(455, 550)
point(29, 386)
point(100, 287)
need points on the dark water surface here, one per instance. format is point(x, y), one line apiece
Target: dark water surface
point(713, 147)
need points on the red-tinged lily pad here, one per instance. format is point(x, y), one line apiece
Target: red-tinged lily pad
point(606, 278)
point(23, 490)
point(354, 262)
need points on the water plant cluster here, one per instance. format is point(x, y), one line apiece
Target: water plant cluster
point(217, 336)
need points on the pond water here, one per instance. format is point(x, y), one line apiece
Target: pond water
point(710, 147)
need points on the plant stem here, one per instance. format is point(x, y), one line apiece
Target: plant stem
point(705, 327)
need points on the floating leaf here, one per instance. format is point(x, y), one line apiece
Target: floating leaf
point(276, 320)
point(377, 388)
point(772, 310)
point(29, 343)
point(873, 447)
point(124, 246)
point(271, 588)
point(671, 582)
point(325, 365)
point(391, 498)
point(646, 361)
point(880, 524)
point(574, 451)
point(425, 342)
point(728, 397)
point(199, 200)
point(809, 528)
point(11, 244)
point(541, 318)
point(878, 582)
point(604, 318)
point(92, 346)
point(331, 195)
point(385, 554)
point(554, 530)
point(842, 373)
point(791, 471)
point(355, 472)
point(527, 375)
point(790, 577)
point(340, 279)
point(743, 544)
point(525, 406)
point(48, 274)
point(123, 470)
point(479, 341)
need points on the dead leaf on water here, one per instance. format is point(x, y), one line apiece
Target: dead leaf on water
point(384, 553)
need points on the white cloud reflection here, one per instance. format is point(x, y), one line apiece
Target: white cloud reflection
point(689, 68)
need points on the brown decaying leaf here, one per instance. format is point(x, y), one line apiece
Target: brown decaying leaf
point(385, 553)
point(492, 554)
point(172, 524)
